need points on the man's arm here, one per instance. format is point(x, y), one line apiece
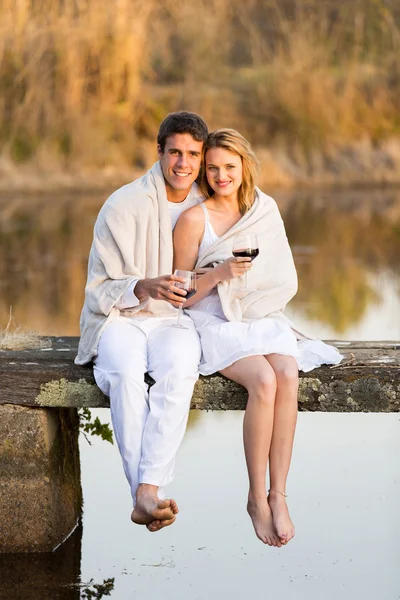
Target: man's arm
point(129, 299)
point(113, 279)
point(161, 288)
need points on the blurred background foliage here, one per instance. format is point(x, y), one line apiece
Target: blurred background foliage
point(85, 83)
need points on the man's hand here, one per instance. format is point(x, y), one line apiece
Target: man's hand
point(161, 288)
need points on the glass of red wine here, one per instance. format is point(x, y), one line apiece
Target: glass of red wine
point(245, 245)
point(190, 287)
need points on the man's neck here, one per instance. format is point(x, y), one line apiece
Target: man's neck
point(176, 196)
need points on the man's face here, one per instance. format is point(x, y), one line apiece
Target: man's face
point(180, 161)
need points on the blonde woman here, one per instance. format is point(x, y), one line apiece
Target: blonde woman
point(238, 313)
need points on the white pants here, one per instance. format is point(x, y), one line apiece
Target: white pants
point(149, 424)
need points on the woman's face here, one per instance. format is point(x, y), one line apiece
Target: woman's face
point(224, 171)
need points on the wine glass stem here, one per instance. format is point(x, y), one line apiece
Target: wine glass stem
point(180, 311)
point(245, 279)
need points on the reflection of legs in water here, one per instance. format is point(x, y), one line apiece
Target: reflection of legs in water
point(257, 376)
point(148, 427)
point(285, 416)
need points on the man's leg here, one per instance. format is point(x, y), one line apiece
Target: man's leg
point(119, 372)
point(173, 359)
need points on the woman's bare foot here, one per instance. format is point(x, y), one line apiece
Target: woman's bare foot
point(280, 514)
point(261, 515)
point(151, 511)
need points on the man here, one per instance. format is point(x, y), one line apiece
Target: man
point(130, 305)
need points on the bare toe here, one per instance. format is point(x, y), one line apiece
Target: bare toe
point(261, 516)
point(154, 525)
point(281, 518)
point(157, 525)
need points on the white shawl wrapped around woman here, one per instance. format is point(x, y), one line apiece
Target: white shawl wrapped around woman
point(132, 239)
point(272, 280)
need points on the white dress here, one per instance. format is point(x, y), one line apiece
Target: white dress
point(224, 342)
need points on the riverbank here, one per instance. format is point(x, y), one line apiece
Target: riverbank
point(360, 164)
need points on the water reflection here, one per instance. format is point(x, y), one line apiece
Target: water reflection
point(43, 576)
point(342, 242)
point(338, 248)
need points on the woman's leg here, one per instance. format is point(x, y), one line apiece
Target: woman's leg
point(285, 417)
point(257, 376)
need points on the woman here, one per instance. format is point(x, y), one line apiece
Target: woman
point(243, 332)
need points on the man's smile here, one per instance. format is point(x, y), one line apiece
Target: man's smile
point(180, 173)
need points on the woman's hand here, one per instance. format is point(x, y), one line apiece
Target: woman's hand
point(232, 267)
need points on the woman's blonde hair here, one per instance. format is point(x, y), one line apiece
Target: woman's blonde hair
point(231, 140)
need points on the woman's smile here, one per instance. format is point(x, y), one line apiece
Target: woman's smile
point(223, 184)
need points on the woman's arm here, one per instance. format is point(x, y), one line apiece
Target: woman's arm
point(188, 234)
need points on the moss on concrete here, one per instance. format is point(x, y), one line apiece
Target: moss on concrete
point(60, 392)
point(217, 393)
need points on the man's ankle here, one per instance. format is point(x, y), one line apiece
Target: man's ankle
point(146, 489)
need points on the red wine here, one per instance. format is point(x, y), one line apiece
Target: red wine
point(189, 294)
point(246, 252)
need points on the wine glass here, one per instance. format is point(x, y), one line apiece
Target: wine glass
point(245, 245)
point(189, 286)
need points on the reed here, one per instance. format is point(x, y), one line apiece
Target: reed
point(12, 338)
point(71, 76)
point(85, 83)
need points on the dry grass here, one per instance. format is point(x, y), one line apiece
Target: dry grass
point(11, 338)
point(85, 83)
point(71, 76)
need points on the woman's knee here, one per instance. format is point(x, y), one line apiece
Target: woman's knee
point(287, 372)
point(263, 385)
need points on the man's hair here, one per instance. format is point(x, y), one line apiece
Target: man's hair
point(182, 122)
point(231, 140)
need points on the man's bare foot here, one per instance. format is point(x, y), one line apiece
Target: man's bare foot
point(280, 514)
point(261, 515)
point(158, 524)
point(151, 511)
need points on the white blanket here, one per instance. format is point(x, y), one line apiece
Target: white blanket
point(272, 280)
point(132, 239)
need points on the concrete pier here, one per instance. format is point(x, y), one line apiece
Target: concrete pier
point(368, 379)
point(40, 488)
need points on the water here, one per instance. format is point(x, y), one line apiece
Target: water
point(344, 493)
point(346, 248)
point(344, 484)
